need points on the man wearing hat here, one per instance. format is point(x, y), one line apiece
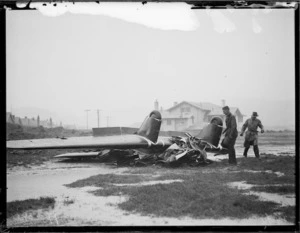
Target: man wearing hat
point(251, 137)
point(231, 134)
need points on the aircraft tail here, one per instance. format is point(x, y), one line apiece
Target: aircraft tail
point(151, 126)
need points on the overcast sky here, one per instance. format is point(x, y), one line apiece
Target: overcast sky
point(73, 62)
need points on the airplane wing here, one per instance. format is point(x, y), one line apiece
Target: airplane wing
point(75, 155)
point(111, 142)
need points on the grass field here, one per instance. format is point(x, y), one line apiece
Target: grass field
point(204, 192)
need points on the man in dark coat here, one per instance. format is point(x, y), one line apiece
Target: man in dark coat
point(251, 137)
point(231, 134)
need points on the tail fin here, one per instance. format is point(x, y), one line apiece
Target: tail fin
point(212, 132)
point(151, 126)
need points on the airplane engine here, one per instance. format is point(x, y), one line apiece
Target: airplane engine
point(151, 126)
point(212, 132)
point(217, 121)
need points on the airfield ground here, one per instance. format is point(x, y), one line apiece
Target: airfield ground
point(43, 191)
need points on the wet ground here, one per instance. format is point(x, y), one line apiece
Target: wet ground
point(78, 207)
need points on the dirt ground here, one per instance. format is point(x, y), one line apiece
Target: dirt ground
point(78, 207)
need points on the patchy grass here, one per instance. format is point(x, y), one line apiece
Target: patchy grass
point(285, 189)
point(19, 207)
point(205, 200)
point(284, 164)
point(203, 192)
point(184, 199)
point(289, 213)
point(107, 180)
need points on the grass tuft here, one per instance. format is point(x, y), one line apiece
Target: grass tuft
point(19, 207)
point(285, 189)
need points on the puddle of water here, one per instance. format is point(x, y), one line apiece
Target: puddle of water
point(284, 200)
point(240, 185)
point(27, 184)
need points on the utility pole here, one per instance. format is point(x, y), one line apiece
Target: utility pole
point(87, 118)
point(98, 115)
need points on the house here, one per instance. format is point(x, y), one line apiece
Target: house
point(29, 122)
point(188, 115)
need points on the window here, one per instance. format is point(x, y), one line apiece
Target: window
point(169, 122)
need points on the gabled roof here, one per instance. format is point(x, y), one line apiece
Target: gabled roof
point(213, 109)
point(201, 105)
point(205, 105)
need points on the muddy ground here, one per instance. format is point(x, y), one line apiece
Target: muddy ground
point(80, 207)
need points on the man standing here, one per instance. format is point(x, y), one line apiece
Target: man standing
point(251, 134)
point(231, 134)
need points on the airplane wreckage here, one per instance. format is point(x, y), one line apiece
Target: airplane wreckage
point(141, 148)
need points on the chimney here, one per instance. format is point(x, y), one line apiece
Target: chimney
point(156, 106)
point(175, 103)
point(223, 103)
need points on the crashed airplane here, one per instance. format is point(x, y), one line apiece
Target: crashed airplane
point(141, 148)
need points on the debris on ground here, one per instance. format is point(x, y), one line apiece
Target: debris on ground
point(184, 151)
